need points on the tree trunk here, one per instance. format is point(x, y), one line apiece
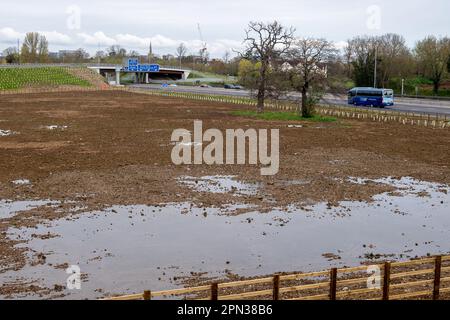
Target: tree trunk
point(305, 107)
point(260, 105)
point(262, 88)
point(436, 86)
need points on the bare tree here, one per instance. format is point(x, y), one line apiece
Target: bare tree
point(361, 52)
point(266, 42)
point(203, 55)
point(30, 47)
point(116, 51)
point(348, 56)
point(100, 56)
point(81, 55)
point(448, 64)
point(42, 49)
point(432, 55)
point(307, 65)
point(133, 54)
point(116, 54)
point(34, 48)
point(226, 57)
point(394, 55)
point(181, 52)
point(11, 55)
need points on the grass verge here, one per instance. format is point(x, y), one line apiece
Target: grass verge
point(283, 116)
point(45, 76)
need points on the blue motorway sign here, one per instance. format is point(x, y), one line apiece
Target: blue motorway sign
point(133, 62)
point(135, 66)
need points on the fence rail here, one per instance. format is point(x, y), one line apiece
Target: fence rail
point(435, 121)
point(395, 281)
point(406, 118)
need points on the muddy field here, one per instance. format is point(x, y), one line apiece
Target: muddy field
point(86, 179)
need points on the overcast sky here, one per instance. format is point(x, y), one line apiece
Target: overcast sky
point(134, 23)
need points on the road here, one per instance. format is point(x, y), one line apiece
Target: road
point(425, 106)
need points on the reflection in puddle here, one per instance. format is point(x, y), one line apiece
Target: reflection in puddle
point(219, 184)
point(128, 249)
point(9, 208)
point(4, 133)
point(55, 127)
point(294, 182)
point(21, 182)
point(405, 185)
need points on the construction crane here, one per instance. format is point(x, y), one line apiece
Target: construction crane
point(204, 48)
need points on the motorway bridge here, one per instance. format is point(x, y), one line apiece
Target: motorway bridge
point(141, 75)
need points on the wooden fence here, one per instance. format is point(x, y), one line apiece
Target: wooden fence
point(373, 114)
point(424, 278)
point(436, 121)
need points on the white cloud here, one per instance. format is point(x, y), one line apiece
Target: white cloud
point(159, 43)
point(57, 38)
point(9, 34)
point(164, 42)
point(98, 38)
point(54, 37)
point(144, 20)
point(131, 40)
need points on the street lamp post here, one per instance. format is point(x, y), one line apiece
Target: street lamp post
point(18, 51)
point(376, 66)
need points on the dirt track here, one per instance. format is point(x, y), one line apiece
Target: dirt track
point(116, 150)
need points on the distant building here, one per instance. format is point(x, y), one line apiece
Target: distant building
point(168, 57)
point(63, 53)
point(53, 55)
point(67, 54)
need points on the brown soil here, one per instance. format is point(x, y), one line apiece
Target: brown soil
point(116, 150)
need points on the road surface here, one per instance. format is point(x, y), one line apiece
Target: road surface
point(426, 106)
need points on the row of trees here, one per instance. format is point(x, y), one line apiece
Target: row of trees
point(34, 50)
point(275, 61)
point(389, 56)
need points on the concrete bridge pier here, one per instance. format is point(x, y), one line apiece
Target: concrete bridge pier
point(118, 76)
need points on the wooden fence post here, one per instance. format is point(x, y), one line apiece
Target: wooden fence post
point(276, 287)
point(386, 280)
point(333, 283)
point(147, 295)
point(215, 291)
point(437, 277)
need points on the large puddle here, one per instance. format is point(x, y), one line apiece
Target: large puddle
point(9, 208)
point(128, 249)
point(219, 184)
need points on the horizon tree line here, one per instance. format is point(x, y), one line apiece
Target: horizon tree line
point(275, 60)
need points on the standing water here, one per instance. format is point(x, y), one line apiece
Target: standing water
point(129, 249)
